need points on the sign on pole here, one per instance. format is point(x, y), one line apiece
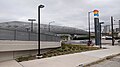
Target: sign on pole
point(97, 27)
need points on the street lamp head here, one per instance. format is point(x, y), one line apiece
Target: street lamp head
point(27, 28)
point(90, 12)
point(31, 19)
point(41, 6)
point(101, 22)
point(51, 22)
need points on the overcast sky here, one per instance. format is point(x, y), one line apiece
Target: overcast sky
point(71, 13)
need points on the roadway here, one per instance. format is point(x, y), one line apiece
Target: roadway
point(113, 62)
point(84, 42)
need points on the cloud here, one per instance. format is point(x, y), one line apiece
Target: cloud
point(63, 12)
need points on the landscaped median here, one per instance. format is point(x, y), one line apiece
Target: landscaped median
point(68, 49)
point(64, 49)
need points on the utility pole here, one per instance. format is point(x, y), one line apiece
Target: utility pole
point(89, 24)
point(112, 31)
point(31, 23)
point(15, 32)
point(100, 33)
point(39, 7)
point(49, 25)
point(119, 26)
point(28, 31)
point(89, 42)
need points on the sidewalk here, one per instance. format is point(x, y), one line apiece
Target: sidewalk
point(10, 63)
point(69, 60)
point(73, 60)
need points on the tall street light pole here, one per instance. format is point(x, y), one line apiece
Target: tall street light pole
point(49, 25)
point(28, 31)
point(112, 31)
point(31, 23)
point(89, 25)
point(39, 7)
point(15, 32)
point(119, 26)
point(100, 33)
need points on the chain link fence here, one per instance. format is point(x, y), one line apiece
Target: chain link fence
point(8, 34)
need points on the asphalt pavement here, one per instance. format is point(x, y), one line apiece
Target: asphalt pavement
point(113, 62)
point(84, 42)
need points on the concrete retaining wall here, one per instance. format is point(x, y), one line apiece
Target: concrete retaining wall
point(13, 49)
